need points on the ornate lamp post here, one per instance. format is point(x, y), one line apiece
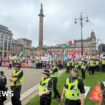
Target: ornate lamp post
point(81, 19)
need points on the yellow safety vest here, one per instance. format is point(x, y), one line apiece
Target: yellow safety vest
point(44, 85)
point(103, 83)
point(83, 66)
point(55, 74)
point(92, 63)
point(97, 62)
point(73, 63)
point(18, 82)
point(68, 64)
point(76, 65)
point(72, 94)
point(103, 62)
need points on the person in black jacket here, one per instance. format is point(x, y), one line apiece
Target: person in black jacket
point(54, 77)
point(3, 82)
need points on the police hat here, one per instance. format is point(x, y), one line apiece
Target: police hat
point(17, 65)
point(46, 72)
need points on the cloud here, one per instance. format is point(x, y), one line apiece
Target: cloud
point(21, 16)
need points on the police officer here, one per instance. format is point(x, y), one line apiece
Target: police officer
point(73, 90)
point(76, 65)
point(91, 66)
point(103, 65)
point(3, 82)
point(54, 76)
point(16, 80)
point(97, 65)
point(83, 69)
point(45, 89)
point(68, 66)
point(72, 64)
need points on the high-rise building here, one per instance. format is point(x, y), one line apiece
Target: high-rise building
point(5, 41)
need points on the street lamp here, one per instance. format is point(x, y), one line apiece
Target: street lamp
point(81, 19)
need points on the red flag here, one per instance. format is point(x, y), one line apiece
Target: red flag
point(70, 42)
point(96, 94)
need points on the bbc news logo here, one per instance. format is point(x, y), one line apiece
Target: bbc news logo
point(6, 93)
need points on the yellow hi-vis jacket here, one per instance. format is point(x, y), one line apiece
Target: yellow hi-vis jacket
point(74, 93)
point(83, 66)
point(103, 83)
point(97, 62)
point(68, 64)
point(18, 82)
point(91, 63)
point(55, 74)
point(73, 64)
point(103, 62)
point(44, 85)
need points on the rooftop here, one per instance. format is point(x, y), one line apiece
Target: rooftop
point(25, 39)
point(4, 29)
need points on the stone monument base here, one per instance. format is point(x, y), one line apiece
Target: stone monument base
point(40, 52)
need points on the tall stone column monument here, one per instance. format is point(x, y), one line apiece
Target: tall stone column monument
point(40, 50)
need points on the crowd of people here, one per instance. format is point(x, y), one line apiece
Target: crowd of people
point(90, 65)
point(73, 91)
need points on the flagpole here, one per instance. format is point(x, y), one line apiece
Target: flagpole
point(81, 24)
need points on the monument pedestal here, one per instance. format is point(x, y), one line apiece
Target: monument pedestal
point(40, 52)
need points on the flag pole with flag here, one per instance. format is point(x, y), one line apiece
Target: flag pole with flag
point(68, 44)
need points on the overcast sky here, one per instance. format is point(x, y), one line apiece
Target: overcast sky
point(21, 17)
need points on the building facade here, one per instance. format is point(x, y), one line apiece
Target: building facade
point(5, 41)
point(23, 45)
point(89, 44)
point(55, 50)
point(17, 48)
point(25, 42)
point(101, 48)
point(27, 45)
